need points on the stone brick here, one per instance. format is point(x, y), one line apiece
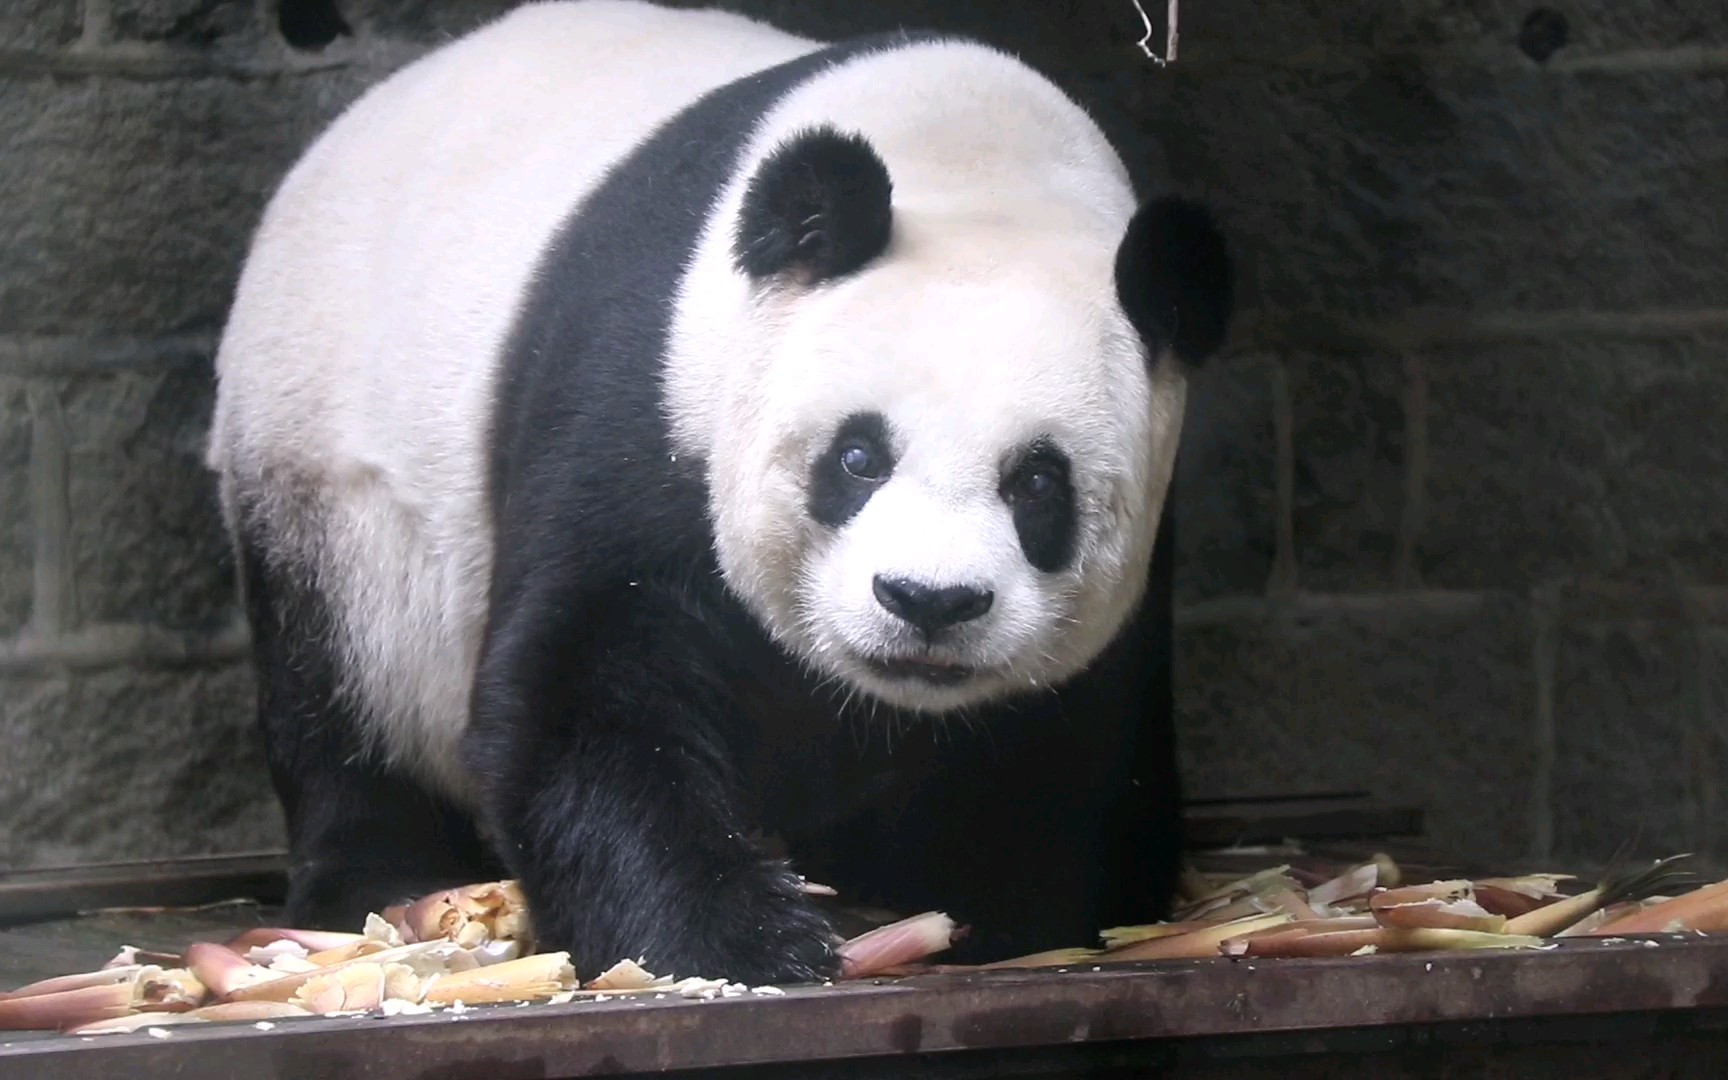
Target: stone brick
point(1365, 191)
point(1589, 458)
point(1478, 29)
point(1608, 26)
point(1349, 443)
point(123, 764)
point(1226, 482)
point(1350, 449)
point(187, 22)
point(421, 20)
point(17, 545)
point(147, 538)
point(1624, 710)
point(1432, 708)
point(126, 206)
point(38, 24)
point(1710, 773)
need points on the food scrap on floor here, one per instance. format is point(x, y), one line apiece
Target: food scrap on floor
point(473, 946)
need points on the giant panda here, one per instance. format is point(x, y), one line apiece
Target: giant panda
point(670, 459)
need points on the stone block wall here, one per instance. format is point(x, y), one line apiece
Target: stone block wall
point(1454, 508)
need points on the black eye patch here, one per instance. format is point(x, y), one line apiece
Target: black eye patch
point(855, 464)
point(1039, 491)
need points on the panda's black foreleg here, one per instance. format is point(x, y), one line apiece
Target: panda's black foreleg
point(361, 835)
point(603, 731)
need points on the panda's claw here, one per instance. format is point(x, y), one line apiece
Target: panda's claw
point(770, 933)
point(757, 928)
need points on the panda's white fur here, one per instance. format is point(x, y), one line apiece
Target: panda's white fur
point(394, 255)
point(359, 361)
point(991, 320)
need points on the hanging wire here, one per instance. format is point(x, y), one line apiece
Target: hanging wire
point(1170, 34)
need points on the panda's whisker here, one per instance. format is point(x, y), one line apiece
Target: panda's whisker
point(943, 729)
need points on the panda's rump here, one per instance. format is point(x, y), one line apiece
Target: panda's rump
point(357, 369)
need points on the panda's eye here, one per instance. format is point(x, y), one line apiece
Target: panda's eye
point(1035, 482)
point(860, 461)
point(850, 469)
point(1038, 483)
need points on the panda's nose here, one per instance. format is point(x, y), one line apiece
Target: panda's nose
point(928, 607)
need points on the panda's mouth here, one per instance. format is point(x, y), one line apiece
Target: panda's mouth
point(933, 672)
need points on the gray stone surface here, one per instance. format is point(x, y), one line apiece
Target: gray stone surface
point(1576, 458)
point(147, 537)
point(1341, 31)
point(1366, 157)
point(1430, 708)
point(16, 543)
point(1350, 444)
point(123, 764)
point(421, 20)
point(183, 22)
point(125, 206)
point(1710, 773)
point(1226, 482)
point(1363, 192)
point(38, 24)
point(1625, 709)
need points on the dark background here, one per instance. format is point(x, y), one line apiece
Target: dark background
point(1454, 510)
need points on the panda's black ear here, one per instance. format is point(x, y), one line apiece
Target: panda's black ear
point(818, 207)
point(1174, 278)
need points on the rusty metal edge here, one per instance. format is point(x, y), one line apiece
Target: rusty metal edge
point(64, 891)
point(1008, 1009)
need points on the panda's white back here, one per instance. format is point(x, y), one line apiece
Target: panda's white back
point(396, 249)
point(361, 347)
point(358, 365)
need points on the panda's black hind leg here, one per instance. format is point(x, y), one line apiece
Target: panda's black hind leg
point(361, 836)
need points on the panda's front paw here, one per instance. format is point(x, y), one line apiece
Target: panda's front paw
point(763, 929)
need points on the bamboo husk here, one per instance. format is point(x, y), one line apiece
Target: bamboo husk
point(1197, 944)
point(897, 943)
point(1619, 883)
point(1705, 910)
point(538, 976)
point(1382, 939)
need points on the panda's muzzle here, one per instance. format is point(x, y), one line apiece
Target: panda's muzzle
point(933, 672)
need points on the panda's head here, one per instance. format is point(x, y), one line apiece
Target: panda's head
point(942, 445)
